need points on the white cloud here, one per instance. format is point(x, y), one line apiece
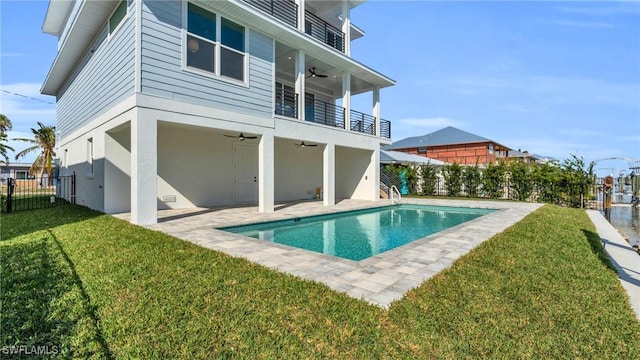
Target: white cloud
point(585, 24)
point(524, 109)
point(437, 122)
point(550, 90)
point(404, 128)
point(609, 9)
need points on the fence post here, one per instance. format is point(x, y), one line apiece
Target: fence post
point(9, 194)
point(73, 188)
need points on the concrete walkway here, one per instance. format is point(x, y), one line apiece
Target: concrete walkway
point(623, 257)
point(380, 279)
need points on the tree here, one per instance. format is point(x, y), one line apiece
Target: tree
point(493, 180)
point(521, 180)
point(472, 178)
point(453, 178)
point(45, 141)
point(428, 179)
point(5, 125)
point(576, 180)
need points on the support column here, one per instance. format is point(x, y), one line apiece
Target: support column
point(329, 175)
point(375, 176)
point(266, 173)
point(301, 19)
point(300, 83)
point(346, 99)
point(376, 109)
point(144, 168)
point(346, 27)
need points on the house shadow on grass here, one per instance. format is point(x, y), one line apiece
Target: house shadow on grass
point(28, 221)
point(597, 247)
point(44, 304)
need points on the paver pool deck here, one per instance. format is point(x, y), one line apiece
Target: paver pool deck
point(380, 279)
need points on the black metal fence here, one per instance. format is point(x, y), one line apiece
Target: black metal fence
point(37, 193)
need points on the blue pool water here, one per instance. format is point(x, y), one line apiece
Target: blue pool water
point(357, 235)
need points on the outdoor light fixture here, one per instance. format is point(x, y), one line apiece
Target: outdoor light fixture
point(193, 45)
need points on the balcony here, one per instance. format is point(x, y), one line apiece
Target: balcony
point(284, 10)
point(323, 31)
point(287, 12)
point(321, 112)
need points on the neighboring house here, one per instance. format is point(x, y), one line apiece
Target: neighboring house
point(15, 171)
point(527, 157)
point(451, 145)
point(177, 104)
point(388, 157)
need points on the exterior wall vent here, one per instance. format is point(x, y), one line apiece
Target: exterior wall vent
point(168, 198)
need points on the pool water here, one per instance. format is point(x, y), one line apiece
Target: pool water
point(357, 235)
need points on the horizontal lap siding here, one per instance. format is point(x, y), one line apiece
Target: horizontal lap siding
point(103, 78)
point(162, 73)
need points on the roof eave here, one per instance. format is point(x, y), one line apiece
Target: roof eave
point(57, 12)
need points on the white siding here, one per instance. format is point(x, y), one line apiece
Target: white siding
point(162, 73)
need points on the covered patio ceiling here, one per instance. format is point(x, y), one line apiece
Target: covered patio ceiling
point(285, 71)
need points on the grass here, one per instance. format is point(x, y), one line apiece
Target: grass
point(97, 287)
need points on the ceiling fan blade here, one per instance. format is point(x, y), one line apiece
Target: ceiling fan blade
point(231, 136)
point(250, 137)
point(322, 76)
point(311, 145)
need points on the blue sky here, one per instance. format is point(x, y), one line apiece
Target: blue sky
point(553, 78)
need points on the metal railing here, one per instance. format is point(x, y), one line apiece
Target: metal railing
point(286, 103)
point(385, 128)
point(323, 31)
point(363, 123)
point(37, 193)
point(284, 10)
point(325, 113)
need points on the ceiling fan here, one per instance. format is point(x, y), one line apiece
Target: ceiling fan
point(241, 137)
point(302, 144)
point(312, 73)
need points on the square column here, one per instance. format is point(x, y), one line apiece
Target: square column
point(300, 83)
point(376, 109)
point(301, 17)
point(144, 168)
point(266, 173)
point(346, 99)
point(375, 174)
point(346, 27)
point(329, 175)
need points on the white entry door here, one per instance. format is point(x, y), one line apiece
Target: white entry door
point(245, 165)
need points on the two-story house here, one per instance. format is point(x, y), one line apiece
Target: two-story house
point(177, 104)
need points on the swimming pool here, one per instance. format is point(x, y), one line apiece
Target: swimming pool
point(357, 235)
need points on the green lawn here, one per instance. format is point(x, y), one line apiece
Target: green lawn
point(98, 287)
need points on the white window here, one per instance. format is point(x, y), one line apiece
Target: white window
point(214, 44)
point(422, 150)
point(90, 157)
point(22, 175)
point(118, 15)
point(490, 147)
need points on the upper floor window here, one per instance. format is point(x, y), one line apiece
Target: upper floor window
point(118, 15)
point(422, 150)
point(215, 44)
point(490, 148)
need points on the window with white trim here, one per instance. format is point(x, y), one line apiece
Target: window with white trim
point(118, 15)
point(90, 157)
point(422, 150)
point(215, 44)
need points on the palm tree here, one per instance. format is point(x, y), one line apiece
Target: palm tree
point(45, 141)
point(5, 125)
